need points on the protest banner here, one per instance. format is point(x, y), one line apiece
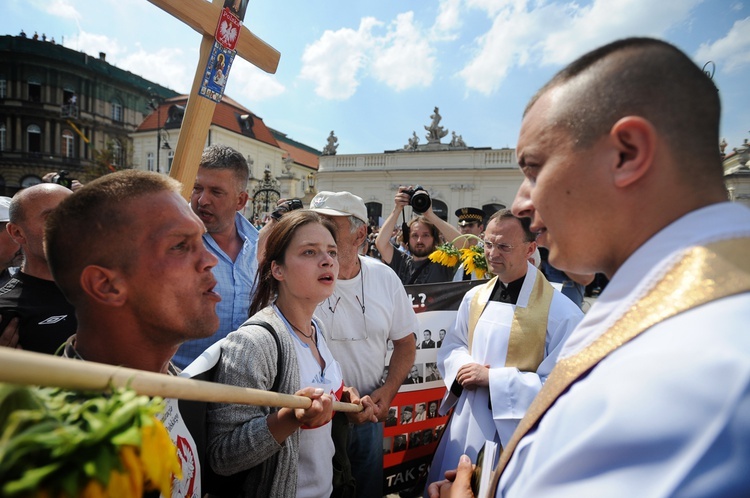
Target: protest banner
point(413, 427)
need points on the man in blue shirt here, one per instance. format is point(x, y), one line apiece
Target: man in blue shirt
point(220, 191)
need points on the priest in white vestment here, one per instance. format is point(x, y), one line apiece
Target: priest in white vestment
point(650, 396)
point(491, 375)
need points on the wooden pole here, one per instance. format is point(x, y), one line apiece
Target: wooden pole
point(203, 16)
point(36, 369)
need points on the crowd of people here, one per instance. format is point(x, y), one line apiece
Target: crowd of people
point(647, 394)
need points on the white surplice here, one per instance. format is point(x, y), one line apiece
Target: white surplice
point(667, 414)
point(510, 391)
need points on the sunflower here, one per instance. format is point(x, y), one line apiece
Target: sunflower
point(446, 254)
point(471, 257)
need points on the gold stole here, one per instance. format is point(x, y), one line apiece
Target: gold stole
point(529, 329)
point(704, 274)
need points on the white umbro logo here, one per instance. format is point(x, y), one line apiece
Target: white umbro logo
point(53, 319)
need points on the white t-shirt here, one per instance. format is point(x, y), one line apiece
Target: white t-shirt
point(190, 484)
point(315, 472)
point(357, 338)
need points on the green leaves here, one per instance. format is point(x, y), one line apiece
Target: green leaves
point(60, 440)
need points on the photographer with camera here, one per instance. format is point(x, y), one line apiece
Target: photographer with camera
point(62, 178)
point(421, 234)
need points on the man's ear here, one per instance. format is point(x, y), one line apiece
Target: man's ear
point(103, 285)
point(361, 235)
point(635, 138)
point(531, 249)
point(16, 233)
point(242, 200)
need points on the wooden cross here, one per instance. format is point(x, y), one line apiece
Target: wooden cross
point(203, 17)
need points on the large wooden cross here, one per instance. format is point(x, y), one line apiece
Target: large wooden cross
point(203, 16)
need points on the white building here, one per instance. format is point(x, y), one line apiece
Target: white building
point(454, 174)
point(279, 166)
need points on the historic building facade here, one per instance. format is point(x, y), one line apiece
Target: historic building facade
point(454, 174)
point(737, 173)
point(63, 110)
point(279, 166)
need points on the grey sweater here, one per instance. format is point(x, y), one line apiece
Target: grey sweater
point(238, 435)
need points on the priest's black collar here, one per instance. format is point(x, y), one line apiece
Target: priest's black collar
point(507, 293)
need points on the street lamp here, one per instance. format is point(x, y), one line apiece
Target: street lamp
point(156, 106)
point(310, 183)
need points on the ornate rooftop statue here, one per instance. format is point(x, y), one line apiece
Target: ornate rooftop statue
point(330, 148)
point(457, 140)
point(413, 142)
point(435, 131)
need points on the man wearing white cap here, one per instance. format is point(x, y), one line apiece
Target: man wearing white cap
point(368, 308)
point(10, 252)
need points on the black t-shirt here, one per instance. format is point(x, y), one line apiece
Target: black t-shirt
point(419, 272)
point(47, 318)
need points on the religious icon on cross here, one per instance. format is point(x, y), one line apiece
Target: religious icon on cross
point(217, 22)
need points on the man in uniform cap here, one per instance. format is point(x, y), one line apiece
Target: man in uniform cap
point(471, 222)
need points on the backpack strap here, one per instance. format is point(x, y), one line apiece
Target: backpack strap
point(279, 358)
point(213, 484)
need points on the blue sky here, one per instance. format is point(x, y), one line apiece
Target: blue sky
point(372, 71)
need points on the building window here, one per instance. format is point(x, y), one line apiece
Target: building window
point(3, 88)
point(374, 211)
point(170, 158)
point(150, 161)
point(116, 153)
point(35, 91)
point(116, 110)
point(69, 108)
point(2, 137)
point(30, 181)
point(33, 139)
point(68, 144)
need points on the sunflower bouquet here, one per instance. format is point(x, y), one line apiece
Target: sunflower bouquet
point(471, 257)
point(57, 443)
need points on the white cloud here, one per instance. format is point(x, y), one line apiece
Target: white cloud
point(400, 54)
point(169, 67)
point(92, 44)
point(525, 32)
point(404, 58)
point(63, 9)
point(608, 20)
point(511, 41)
point(448, 20)
point(731, 52)
point(334, 61)
point(247, 83)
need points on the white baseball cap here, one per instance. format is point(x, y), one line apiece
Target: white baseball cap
point(339, 204)
point(4, 209)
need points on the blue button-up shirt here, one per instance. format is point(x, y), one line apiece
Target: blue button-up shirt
point(235, 284)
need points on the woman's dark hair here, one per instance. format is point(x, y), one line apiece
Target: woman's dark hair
point(267, 287)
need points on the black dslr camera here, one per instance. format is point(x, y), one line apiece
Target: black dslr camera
point(285, 207)
point(419, 199)
point(61, 178)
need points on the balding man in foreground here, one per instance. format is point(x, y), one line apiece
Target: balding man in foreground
point(651, 394)
point(42, 319)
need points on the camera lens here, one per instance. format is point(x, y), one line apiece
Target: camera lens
point(420, 201)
